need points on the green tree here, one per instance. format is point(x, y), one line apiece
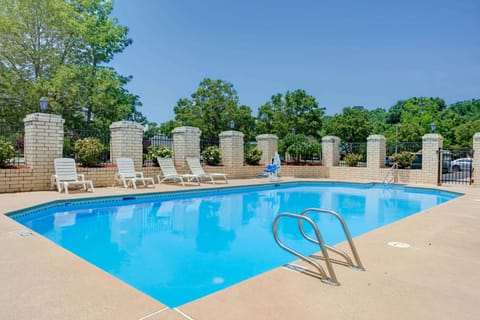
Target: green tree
point(296, 110)
point(212, 108)
point(465, 132)
point(59, 49)
point(352, 125)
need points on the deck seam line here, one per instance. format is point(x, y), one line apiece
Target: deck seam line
point(152, 314)
point(183, 313)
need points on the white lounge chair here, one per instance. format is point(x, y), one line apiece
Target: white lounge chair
point(196, 168)
point(128, 176)
point(170, 173)
point(66, 175)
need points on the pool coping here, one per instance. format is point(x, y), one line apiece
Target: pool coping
point(436, 278)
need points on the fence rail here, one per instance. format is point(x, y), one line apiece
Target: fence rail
point(353, 147)
point(72, 136)
point(14, 135)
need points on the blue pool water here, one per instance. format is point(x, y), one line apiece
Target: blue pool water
point(178, 247)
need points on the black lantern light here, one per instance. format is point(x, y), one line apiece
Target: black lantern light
point(432, 127)
point(43, 104)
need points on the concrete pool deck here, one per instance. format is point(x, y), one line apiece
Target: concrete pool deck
point(437, 277)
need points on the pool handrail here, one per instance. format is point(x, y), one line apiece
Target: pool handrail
point(329, 278)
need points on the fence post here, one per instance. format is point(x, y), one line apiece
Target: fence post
point(376, 152)
point(330, 151)
point(43, 143)
point(186, 143)
point(431, 143)
point(126, 140)
point(476, 160)
point(268, 144)
point(231, 147)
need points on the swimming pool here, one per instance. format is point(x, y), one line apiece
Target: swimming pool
point(180, 246)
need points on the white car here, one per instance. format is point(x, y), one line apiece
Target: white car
point(462, 164)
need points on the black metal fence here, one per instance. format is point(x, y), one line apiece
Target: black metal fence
point(359, 148)
point(208, 142)
point(71, 137)
point(456, 166)
point(14, 135)
point(413, 147)
point(153, 142)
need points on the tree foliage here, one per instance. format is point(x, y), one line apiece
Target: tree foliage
point(295, 110)
point(59, 49)
point(352, 125)
point(212, 108)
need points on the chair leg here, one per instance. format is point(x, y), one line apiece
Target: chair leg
point(65, 186)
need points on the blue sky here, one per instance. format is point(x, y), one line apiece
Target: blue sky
point(343, 52)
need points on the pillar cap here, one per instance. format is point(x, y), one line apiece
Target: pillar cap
point(376, 137)
point(187, 129)
point(266, 137)
point(44, 117)
point(231, 133)
point(432, 136)
point(126, 124)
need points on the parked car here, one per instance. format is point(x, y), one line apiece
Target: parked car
point(461, 164)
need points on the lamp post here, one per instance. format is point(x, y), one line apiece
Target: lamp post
point(232, 124)
point(432, 127)
point(43, 104)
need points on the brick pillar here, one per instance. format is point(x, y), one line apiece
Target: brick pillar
point(43, 143)
point(186, 143)
point(432, 142)
point(476, 160)
point(126, 140)
point(231, 147)
point(376, 151)
point(330, 151)
point(268, 143)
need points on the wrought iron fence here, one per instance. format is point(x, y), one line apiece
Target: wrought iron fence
point(413, 147)
point(72, 136)
point(14, 135)
point(359, 148)
point(153, 142)
point(208, 142)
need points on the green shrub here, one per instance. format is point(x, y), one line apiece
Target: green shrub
point(88, 151)
point(160, 151)
point(352, 159)
point(212, 155)
point(6, 153)
point(253, 156)
point(404, 159)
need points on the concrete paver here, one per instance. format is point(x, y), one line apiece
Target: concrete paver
point(437, 277)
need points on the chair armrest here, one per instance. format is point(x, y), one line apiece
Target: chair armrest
point(139, 174)
point(81, 176)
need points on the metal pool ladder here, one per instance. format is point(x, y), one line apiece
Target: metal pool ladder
point(391, 174)
point(330, 277)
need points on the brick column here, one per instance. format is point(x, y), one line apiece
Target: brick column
point(126, 140)
point(330, 151)
point(432, 142)
point(43, 143)
point(376, 151)
point(231, 147)
point(186, 143)
point(268, 143)
point(476, 160)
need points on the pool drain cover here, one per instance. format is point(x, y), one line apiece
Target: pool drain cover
point(396, 244)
